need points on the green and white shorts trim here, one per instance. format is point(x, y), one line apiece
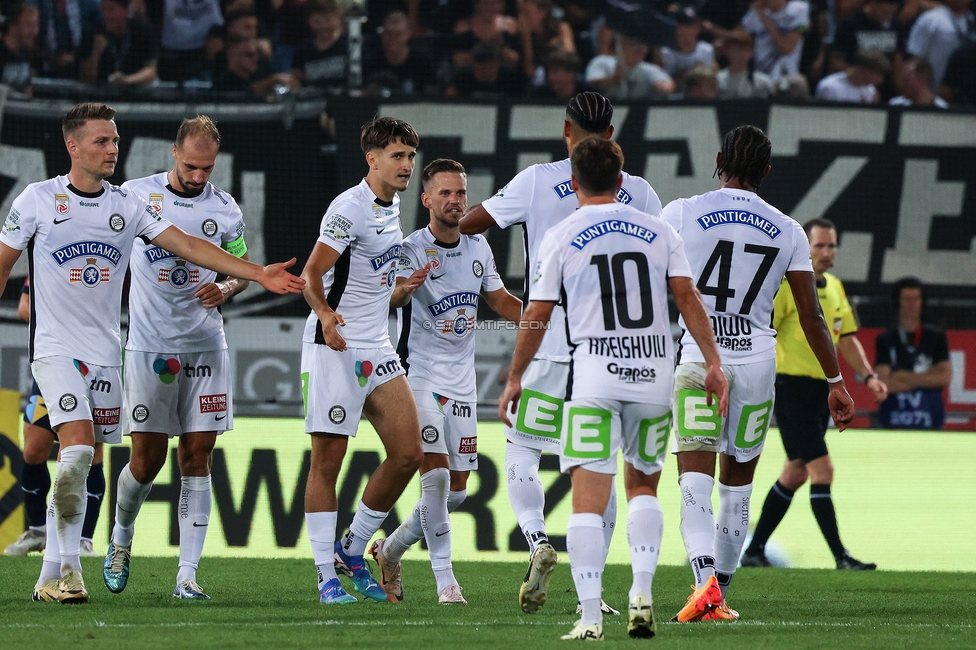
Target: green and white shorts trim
point(596, 429)
point(539, 419)
point(698, 427)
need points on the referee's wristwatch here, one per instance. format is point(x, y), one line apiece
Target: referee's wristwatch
point(871, 376)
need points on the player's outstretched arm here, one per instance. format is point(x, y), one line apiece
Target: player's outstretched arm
point(804, 288)
point(504, 304)
point(532, 329)
point(8, 257)
point(273, 277)
point(322, 259)
point(692, 309)
point(405, 287)
point(476, 221)
point(214, 294)
point(854, 354)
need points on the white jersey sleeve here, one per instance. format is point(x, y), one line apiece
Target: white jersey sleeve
point(510, 204)
point(678, 266)
point(491, 281)
point(409, 259)
point(21, 222)
point(800, 259)
point(547, 278)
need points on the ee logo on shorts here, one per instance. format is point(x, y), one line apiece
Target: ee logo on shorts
point(653, 438)
point(696, 419)
point(588, 432)
point(753, 425)
point(539, 414)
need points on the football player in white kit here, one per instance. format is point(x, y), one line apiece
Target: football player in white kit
point(739, 248)
point(539, 197)
point(80, 230)
point(436, 346)
point(611, 266)
point(177, 370)
point(349, 366)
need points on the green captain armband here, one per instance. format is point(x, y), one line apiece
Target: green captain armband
point(237, 248)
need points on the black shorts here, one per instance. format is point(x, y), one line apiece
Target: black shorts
point(36, 412)
point(803, 415)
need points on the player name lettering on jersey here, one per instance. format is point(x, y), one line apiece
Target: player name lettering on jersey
point(739, 217)
point(650, 346)
point(86, 249)
point(447, 303)
point(156, 254)
point(392, 254)
point(612, 226)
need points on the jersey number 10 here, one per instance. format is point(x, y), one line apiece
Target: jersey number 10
point(613, 290)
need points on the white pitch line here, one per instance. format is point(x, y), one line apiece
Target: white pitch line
point(430, 623)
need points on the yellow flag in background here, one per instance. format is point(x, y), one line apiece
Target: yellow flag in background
point(11, 500)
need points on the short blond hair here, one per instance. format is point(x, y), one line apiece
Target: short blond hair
point(200, 126)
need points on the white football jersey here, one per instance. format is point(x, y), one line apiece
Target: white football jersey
point(610, 264)
point(79, 245)
point(367, 234)
point(436, 328)
point(164, 313)
point(739, 248)
point(539, 197)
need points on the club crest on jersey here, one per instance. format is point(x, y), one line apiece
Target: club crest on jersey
point(433, 259)
point(116, 223)
point(388, 279)
point(179, 276)
point(209, 227)
point(90, 274)
point(460, 325)
point(61, 203)
point(452, 301)
point(739, 217)
point(87, 249)
point(612, 226)
point(156, 203)
point(478, 268)
point(392, 253)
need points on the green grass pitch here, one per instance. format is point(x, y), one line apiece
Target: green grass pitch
point(261, 603)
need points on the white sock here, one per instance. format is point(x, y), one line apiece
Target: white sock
point(196, 501)
point(732, 524)
point(131, 495)
point(584, 541)
point(364, 525)
point(406, 535)
point(645, 529)
point(51, 567)
point(609, 519)
point(71, 501)
point(525, 492)
point(434, 487)
point(455, 499)
point(321, 528)
point(698, 524)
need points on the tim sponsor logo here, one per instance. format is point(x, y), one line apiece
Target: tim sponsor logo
point(213, 403)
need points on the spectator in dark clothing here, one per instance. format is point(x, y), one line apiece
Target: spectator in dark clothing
point(239, 23)
point(487, 25)
point(725, 14)
point(874, 27)
point(562, 78)
point(487, 78)
point(291, 28)
point(541, 34)
point(245, 71)
point(959, 83)
point(324, 60)
point(62, 24)
point(913, 360)
point(18, 46)
point(183, 26)
point(398, 66)
point(121, 51)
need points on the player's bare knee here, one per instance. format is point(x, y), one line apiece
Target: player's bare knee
point(195, 462)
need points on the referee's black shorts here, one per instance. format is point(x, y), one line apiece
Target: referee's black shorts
point(803, 415)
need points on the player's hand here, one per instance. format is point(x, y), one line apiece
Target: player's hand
point(841, 405)
point(213, 294)
point(330, 323)
point(510, 396)
point(716, 384)
point(277, 279)
point(878, 388)
point(416, 279)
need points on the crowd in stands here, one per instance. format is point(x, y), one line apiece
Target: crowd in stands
point(904, 52)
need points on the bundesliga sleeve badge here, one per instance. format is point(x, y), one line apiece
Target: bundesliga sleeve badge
point(156, 203)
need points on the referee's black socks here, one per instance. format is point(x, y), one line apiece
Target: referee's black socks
point(823, 509)
point(774, 509)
